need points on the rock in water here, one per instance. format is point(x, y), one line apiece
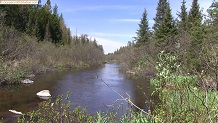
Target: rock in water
point(43, 93)
point(27, 81)
point(16, 112)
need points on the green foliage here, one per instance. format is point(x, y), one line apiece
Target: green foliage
point(166, 66)
point(180, 99)
point(136, 117)
point(213, 12)
point(143, 33)
point(166, 28)
point(23, 53)
point(60, 111)
point(195, 16)
point(161, 10)
point(41, 22)
point(183, 15)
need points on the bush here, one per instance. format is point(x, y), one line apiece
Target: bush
point(60, 111)
point(181, 100)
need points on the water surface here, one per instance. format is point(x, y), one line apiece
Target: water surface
point(85, 86)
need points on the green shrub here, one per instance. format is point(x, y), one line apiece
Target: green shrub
point(181, 100)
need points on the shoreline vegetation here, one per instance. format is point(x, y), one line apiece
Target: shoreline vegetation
point(41, 42)
point(179, 56)
point(27, 57)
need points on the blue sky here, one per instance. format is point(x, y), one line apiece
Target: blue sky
point(112, 22)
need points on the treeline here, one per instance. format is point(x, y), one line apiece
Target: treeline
point(35, 39)
point(41, 21)
point(191, 36)
point(181, 55)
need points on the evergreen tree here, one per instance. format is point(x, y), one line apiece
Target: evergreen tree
point(47, 33)
point(161, 10)
point(197, 34)
point(166, 29)
point(195, 16)
point(183, 15)
point(55, 29)
point(48, 4)
point(66, 33)
point(143, 32)
point(213, 12)
point(55, 10)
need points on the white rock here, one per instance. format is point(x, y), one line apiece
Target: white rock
point(44, 93)
point(16, 112)
point(27, 81)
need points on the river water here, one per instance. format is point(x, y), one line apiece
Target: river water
point(85, 86)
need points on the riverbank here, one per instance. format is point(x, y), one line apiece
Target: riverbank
point(13, 72)
point(22, 55)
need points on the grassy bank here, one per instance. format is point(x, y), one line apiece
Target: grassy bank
point(22, 55)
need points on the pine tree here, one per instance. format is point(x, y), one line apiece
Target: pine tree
point(161, 10)
point(166, 29)
point(47, 33)
point(55, 29)
point(48, 4)
point(183, 15)
point(143, 32)
point(195, 29)
point(213, 12)
point(55, 10)
point(195, 16)
point(194, 23)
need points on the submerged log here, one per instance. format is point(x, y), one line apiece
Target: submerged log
point(16, 112)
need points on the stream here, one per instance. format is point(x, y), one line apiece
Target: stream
point(87, 87)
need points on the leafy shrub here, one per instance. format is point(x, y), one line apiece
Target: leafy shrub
point(180, 98)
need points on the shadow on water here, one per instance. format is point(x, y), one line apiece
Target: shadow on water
point(85, 86)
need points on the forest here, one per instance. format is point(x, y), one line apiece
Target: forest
point(35, 39)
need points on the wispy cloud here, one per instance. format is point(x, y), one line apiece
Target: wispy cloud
point(100, 34)
point(100, 7)
point(109, 45)
point(126, 20)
